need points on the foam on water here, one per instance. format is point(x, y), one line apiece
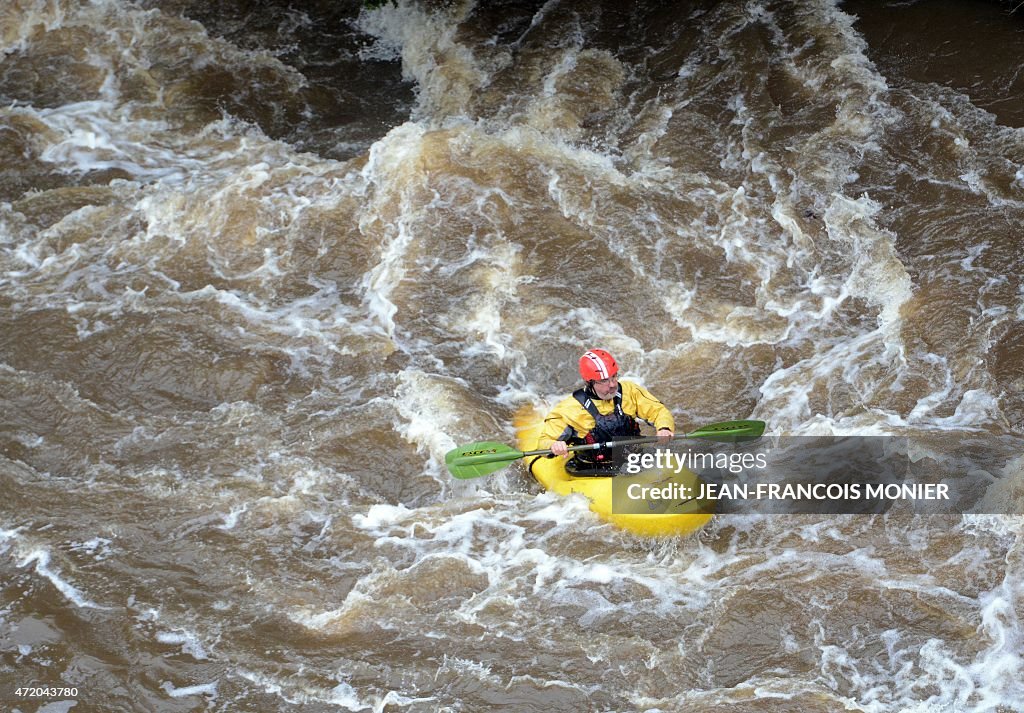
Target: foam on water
point(342, 694)
point(40, 558)
point(23, 18)
point(98, 136)
point(444, 70)
point(203, 689)
point(386, 168)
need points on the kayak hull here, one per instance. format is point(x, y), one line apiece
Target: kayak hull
point(681, 519)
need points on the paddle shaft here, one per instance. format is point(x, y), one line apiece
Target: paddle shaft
point(489, 456)
point(707, 432)
point(606, 444)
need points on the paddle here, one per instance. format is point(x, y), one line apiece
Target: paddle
point(477, 459)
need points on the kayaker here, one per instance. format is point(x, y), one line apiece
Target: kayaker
point(604, 409)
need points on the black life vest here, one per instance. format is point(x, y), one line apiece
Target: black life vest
point(617, 424)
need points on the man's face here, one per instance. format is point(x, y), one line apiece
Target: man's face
point(607, 388)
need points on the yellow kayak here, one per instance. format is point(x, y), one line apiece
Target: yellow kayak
point(640, 515)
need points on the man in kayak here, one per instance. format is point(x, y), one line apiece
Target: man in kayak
point(604, 409)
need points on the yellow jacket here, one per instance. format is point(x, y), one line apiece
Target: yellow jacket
point(636, 401)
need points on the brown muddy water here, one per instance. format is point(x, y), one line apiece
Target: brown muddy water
point(262, 264)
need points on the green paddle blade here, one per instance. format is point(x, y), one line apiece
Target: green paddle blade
point(476, 459)
point(730, 431)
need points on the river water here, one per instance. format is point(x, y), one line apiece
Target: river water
point(262, 264)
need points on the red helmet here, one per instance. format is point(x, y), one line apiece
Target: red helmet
point(597, 364)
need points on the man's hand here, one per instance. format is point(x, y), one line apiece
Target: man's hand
point(665, 434)
point(560, 448)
